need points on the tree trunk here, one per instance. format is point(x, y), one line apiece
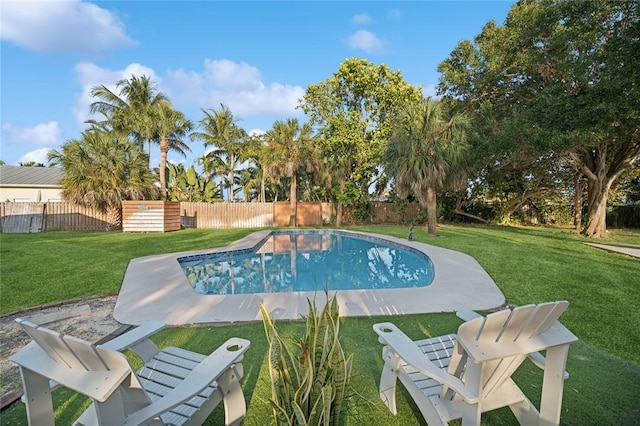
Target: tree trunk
point(221, 177)
point(432, 222)
point(577, 201)
point(339, 208)
point(232, 177)
point(163, 165)
point(114, 217)
point(293, 199)
point(598, 194)
point(469, 215)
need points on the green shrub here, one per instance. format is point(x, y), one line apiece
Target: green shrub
point(308, 388)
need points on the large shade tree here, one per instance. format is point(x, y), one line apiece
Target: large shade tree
point(289, 144)
point(353, 110)
point(561, 77)
point(101, 169)
point(425, 151)
point(219, 129)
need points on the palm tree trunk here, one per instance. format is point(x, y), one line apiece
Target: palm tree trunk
point(339, 208)
point(293, 196)
point(432, 222)
point(164, 148)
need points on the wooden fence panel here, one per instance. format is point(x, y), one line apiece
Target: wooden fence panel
point(62, 216)
point(392, 213)
point(226, 215)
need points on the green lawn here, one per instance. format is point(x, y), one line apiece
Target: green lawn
point(530, 265)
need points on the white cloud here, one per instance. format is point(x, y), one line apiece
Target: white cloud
point(38, 156)
point(256, 132)
point(237, 85)
point(44, 134)
point(61, 26)
point(89, 75)
point(361, 19)
point(366, 41)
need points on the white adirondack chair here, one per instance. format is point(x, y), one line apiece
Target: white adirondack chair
point(462, 376)
point(175, 386)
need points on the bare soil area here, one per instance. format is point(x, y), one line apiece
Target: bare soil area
point(89, 319)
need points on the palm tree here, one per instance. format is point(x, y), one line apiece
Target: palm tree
point(424, 150)
point(288, 143)
point(219, 129)
point(213, 165)
point(133, 110)
point(171, 127)
point(101, 169)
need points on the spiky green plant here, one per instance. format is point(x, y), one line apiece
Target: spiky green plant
point(308, 387)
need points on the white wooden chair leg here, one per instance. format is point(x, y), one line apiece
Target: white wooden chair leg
point(233, 397)
point(471, 413)
point(388, 379)
point(112, 409)
point(525, 412)
point(37, 397)
point(553, 385)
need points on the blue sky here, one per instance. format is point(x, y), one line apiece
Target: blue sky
point(255, 57)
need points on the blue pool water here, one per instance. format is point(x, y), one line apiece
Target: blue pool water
point(290, 261)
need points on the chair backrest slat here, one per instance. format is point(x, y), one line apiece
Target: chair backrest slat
point(86, 353)
point(493, 326)
point(541, 318)
point(519, 316)
point(53, 344)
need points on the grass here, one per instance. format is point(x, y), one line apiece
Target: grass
point(529, 265)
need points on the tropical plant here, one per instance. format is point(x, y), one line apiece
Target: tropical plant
point(187, 185)
point(171, 128)
point(424, 152)
point(213, 166)
point(132, 110)
point(288, 144)
point(219, 129)
point(309, 384)
point(101, 170)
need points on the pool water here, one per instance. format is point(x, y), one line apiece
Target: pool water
point(290, 261)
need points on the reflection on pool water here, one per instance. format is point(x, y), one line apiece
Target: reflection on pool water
point(289, 261)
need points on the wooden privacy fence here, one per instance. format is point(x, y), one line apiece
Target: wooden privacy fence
point(226, 215)
point(62, 216)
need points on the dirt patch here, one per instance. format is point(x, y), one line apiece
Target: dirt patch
point(89, 319)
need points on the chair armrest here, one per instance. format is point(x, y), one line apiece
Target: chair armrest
point(131, 337)
point(409, 352)
point(467, 315)
point(137, 340)
point(211, 368)
point(539, 361)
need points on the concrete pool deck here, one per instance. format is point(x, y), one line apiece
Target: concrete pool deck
point(156, 288)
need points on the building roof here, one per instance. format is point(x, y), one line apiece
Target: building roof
point(30, 176)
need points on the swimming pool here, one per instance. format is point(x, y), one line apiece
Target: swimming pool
point(156, 288)
point(291, 261)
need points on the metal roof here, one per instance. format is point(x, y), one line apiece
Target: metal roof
point(30, 176)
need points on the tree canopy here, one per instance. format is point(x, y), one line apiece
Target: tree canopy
point(557, 77)
point(353, 111)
